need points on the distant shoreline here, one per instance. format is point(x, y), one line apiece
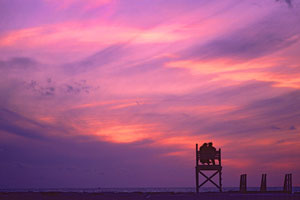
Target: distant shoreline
point(147, 195)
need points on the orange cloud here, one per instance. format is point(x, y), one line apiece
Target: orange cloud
point(77, 33)
point(183, 154)
point(280, 80)
point(238, 71)
point(187, 141)
point(126, 133)
point(222, 65)
point(237, 163)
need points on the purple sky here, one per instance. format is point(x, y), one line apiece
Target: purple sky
point(111, 93)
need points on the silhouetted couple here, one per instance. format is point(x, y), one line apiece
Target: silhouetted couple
point(207, 153)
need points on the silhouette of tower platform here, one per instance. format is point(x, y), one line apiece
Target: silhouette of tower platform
point(202, 168)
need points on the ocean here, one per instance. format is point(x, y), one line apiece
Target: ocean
point(141, 189)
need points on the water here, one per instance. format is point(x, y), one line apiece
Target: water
point(148, 189)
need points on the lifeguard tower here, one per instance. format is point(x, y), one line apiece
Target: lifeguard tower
point(201, 168)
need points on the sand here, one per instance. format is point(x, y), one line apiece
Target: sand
point(146, 196)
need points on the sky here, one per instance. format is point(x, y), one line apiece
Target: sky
point(115, 93)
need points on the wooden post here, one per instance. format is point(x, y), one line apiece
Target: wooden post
point(243, 183)
point(285, 183)
point(291, 185)
point(263, 184)
point(287, 187)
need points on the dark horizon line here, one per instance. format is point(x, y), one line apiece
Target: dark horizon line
point(297, 186)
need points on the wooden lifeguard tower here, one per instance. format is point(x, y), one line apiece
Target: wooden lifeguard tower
point(201, 168)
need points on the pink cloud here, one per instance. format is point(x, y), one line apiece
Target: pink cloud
point(85, 5)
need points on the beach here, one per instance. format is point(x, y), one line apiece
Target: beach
point(147, 196)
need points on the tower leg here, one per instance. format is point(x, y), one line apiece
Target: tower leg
point(220, 180)
point(197, 180)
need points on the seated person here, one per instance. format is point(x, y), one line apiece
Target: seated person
point(204, 154)
point(211, 153)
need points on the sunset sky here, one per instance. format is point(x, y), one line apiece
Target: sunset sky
point(116, 93)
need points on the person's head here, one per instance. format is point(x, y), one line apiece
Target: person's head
point(210, 144)
point(205, 144)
